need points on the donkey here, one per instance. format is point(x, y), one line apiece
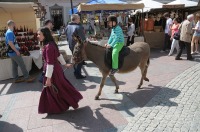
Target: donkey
point(138, 56)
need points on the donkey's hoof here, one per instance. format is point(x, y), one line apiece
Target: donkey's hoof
point(146, 79)
point(116, 91)
point(139, 87)
point(96, 98)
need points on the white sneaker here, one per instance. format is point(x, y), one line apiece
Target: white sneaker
point(197, 52)
point(192, 53)
point(162, 51)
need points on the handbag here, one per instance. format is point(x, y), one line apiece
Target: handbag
point(177, 35)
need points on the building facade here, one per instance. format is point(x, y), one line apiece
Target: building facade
point(58, 10)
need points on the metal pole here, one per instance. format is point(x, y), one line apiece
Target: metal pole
point(143, 20)
point(72, 9)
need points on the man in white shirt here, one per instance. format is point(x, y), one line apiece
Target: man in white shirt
point(131, 30)
point(169, 22)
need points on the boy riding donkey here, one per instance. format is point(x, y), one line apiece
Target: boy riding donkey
point(116, 41)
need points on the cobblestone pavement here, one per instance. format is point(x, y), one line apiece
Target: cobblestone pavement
point(176, 108)
point(169, 102)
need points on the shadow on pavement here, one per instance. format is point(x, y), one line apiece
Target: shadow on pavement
point(9, 87)
point(162, 98)
point(7, 127)
point(86, 120)
point(155, 53)
point(90, 82)
point(169, 93)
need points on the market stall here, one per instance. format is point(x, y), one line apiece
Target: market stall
point(28, 57)
point(186, 3)
point(98, 14)
point(6, 64)
point(154, 23)
point(150, 30)
point(25, 31)
point(22, 13)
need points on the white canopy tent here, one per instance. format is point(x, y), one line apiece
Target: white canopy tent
point(186, 2)
point(150, 4)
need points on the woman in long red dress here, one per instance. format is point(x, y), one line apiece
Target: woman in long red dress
point(58, 93)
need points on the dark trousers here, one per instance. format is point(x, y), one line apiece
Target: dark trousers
point(167, 42)
point(77, 67)
point(129, 42)
point(183, 44)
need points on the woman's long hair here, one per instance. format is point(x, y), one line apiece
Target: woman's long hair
point(48, 38)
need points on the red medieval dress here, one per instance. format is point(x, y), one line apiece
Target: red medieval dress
point(57, 101)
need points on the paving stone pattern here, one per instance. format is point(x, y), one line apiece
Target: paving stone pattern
point(176, 108)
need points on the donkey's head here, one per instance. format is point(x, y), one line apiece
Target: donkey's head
point(79, 52)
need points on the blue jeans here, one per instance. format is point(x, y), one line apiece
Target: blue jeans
point(77, 69)
point(18, 61)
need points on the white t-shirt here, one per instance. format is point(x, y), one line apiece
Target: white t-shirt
point(168, 23)
point(198, 26)
point(131, 30)
point(119, 19)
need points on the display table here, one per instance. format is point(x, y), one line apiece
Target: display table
point(154, 39)
point(37, 58)
point(56, 37)
point(6, 67)
point(6, 64)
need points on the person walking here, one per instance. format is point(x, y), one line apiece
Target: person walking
point(186, 37)
point(47, 23)
point(14, 54)
point(75, 28)
point(131, 30)
point(58, 93)
point(168, 25)
point(175, 41)
point(196, 36)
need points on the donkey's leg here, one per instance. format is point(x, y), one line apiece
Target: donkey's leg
point(115, 82)
point(104, 75)
point(145, 73)
point(142, 68)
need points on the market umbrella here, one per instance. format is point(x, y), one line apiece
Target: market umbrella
point(96, 2)
point(106, 2)
point(150, 4)
point(74, 9)
point(109, 7)
point(187, 3)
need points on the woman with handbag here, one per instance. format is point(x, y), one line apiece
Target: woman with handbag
point(175, 36)
point(196, 36)
point(58, 93)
